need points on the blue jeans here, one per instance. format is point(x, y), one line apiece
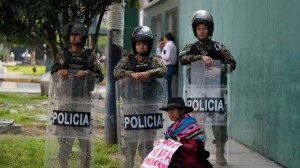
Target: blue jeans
point(168, 77)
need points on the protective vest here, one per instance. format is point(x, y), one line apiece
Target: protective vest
point(135, 66)
point(76, 62)
point(213, 50)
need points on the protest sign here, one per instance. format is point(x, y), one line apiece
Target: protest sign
point(161, 154)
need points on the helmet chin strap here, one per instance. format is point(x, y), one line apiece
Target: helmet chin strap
point(79, 43)
point(75, 46)
point(143, 53)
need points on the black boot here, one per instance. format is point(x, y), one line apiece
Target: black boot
point(63, 163)
point(220, 159)
point(85, 164)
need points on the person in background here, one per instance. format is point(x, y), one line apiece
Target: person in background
point(187, 131)
point(169, 59)
point(207, 50)
point(160, 46)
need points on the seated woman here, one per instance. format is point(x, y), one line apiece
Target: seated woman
point(187, 131)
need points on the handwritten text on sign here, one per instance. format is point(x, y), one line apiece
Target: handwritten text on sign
point(161, 154)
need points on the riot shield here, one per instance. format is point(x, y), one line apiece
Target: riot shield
point(72, 105)
point(139, 120)
point(206, 89)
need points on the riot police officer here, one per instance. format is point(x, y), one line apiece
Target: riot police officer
point(140, 65)
point(79, 62)
point(142, 70)
point(207, 50)
point(75, 56)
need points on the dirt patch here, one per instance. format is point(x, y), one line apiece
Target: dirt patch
point(34, 131)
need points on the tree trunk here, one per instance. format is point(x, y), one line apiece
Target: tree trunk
point(115, 47)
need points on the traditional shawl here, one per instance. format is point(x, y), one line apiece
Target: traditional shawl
point(187, 128)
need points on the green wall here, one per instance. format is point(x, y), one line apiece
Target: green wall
point(263, 36)
point(131, 21)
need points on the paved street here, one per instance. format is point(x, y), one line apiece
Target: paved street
point(28, 84)
point(19, 83)
point(20, 87)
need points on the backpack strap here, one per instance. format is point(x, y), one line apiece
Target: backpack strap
point(132, 62)
point(68, 56)
point(214, 50)
point(84, 59)
point(150, 62)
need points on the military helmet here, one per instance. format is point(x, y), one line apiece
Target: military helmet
point(142, 33)
point(75, 27)
point(202, 16)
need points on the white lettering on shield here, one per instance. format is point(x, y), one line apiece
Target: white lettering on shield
point(207, 104)
point(67, 118)
point(143, 121)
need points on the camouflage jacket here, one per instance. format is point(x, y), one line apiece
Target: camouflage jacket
point(93, 65)
point(123, 69)
point(215, 50)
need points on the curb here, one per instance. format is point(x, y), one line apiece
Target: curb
point(31, 80)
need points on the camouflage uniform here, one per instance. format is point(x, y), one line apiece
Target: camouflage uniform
point(84, 60)
point(135, 140)
point(217, 51)
point(93, 64)
point(195, 51)
point(123, 68)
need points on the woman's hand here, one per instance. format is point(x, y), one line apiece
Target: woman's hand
point(64, 73)
point(211, 72)
point(208, 60)
point(81, 74)
point(140, 76)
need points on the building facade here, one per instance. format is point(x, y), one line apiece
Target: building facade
point(263, 37)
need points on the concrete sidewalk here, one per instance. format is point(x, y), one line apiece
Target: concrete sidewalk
point(20, 87)
point(17, 77)
point(237, 155)
point(33, 88)
point(18, 83)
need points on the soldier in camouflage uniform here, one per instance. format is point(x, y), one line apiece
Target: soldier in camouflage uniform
point(76, 57)
point(141, 66)
point(207, 50)
point(80, 62)
point(146, 66)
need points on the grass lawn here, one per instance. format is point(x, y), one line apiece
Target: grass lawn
point(22, 151)
point(26, 69)
point(40, 69)
point(27, 149)
point(19, 151)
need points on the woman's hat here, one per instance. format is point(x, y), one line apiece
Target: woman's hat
point(177, 102)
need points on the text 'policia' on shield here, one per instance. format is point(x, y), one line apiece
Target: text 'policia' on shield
point(143, 121)
point(207, 104)
point(74, 119)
